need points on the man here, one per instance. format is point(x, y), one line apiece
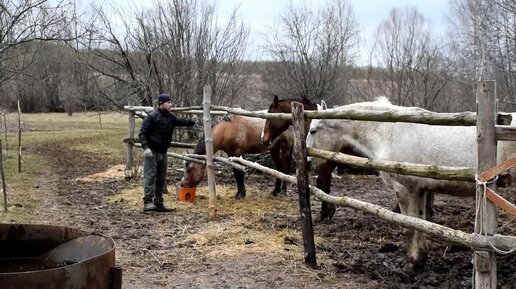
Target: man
point(155, 137)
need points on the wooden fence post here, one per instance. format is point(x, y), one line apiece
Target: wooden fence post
point(129, 171)
point(303, 188)
point(19, 136)
point(2, 175)
point(486, 223)
point(210, 167)
point(5, 133)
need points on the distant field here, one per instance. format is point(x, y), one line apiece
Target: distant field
point(62, 121)
point(83, 132)
point(44, 127)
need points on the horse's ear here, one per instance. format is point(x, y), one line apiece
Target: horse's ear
point(323, 105)
point(275, 101)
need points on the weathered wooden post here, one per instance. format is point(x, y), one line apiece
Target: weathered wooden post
point(5, 133)
point(2, 175)
point(129, 171)
point(486, 223)
point(210, 167)
point(303, 189)
point(19, 136)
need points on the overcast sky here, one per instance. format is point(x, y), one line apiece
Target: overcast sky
point(260, 15)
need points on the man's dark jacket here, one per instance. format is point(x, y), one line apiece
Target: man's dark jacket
point(157, 128)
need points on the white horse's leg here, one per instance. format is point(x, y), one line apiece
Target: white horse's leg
point(413, 204)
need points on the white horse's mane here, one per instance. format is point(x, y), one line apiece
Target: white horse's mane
point(379, 103)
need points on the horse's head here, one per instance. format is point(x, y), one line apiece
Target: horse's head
point(344, 135)
point(193, 175)
point(275, 127)
point(194, 172)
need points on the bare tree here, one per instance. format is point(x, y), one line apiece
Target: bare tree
point(25, 27)
point(176, 47)
point(501, 48)
point(479, 43)
point(27, 21)
point(312, 50)
point(415, 71)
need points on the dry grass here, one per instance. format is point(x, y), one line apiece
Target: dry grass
point(116, 172)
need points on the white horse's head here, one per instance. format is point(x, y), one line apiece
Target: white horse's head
point(337, 134)
point(320, 107)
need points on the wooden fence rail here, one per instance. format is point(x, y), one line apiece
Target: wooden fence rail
point(471, 240)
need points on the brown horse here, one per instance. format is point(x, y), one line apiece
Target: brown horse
point(238, 135)
point(274, 128)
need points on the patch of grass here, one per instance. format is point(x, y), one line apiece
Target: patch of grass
point(107, 143)
point(62, 121)
point(22, 194)
point(81, 132)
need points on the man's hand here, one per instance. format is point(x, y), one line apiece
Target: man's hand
point(195, 118)
point(147, 153)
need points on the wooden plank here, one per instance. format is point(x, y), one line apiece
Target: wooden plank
point(303, 183)
point(500, 202)
point(485, 220)
point(492, 172)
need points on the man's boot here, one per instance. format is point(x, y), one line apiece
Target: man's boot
point(162, 208)
point(147, 207)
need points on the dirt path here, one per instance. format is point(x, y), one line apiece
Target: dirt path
point(260, 245)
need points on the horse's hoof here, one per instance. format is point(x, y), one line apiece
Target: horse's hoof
point(414, 267)
point(396, 209)
point(240, 196)
point(275, 194)
point(327, 216)
point(327, 211)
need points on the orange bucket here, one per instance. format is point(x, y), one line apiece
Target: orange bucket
point(186, 194)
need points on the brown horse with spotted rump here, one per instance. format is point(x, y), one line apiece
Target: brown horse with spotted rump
point(237, 136)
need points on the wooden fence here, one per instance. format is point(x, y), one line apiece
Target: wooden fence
point(484, 241)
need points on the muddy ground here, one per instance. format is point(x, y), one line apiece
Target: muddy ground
point(256, 242)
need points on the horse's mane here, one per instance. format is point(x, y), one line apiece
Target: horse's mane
point(302, 100)
point(379, 103)
point(225, 117)
point(200, 146)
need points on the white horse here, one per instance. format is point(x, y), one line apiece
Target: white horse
point(405, 142)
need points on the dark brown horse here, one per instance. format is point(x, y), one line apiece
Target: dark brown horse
point(274, 128)
point(239, 135)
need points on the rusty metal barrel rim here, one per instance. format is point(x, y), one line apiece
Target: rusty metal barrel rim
point(48, 256)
